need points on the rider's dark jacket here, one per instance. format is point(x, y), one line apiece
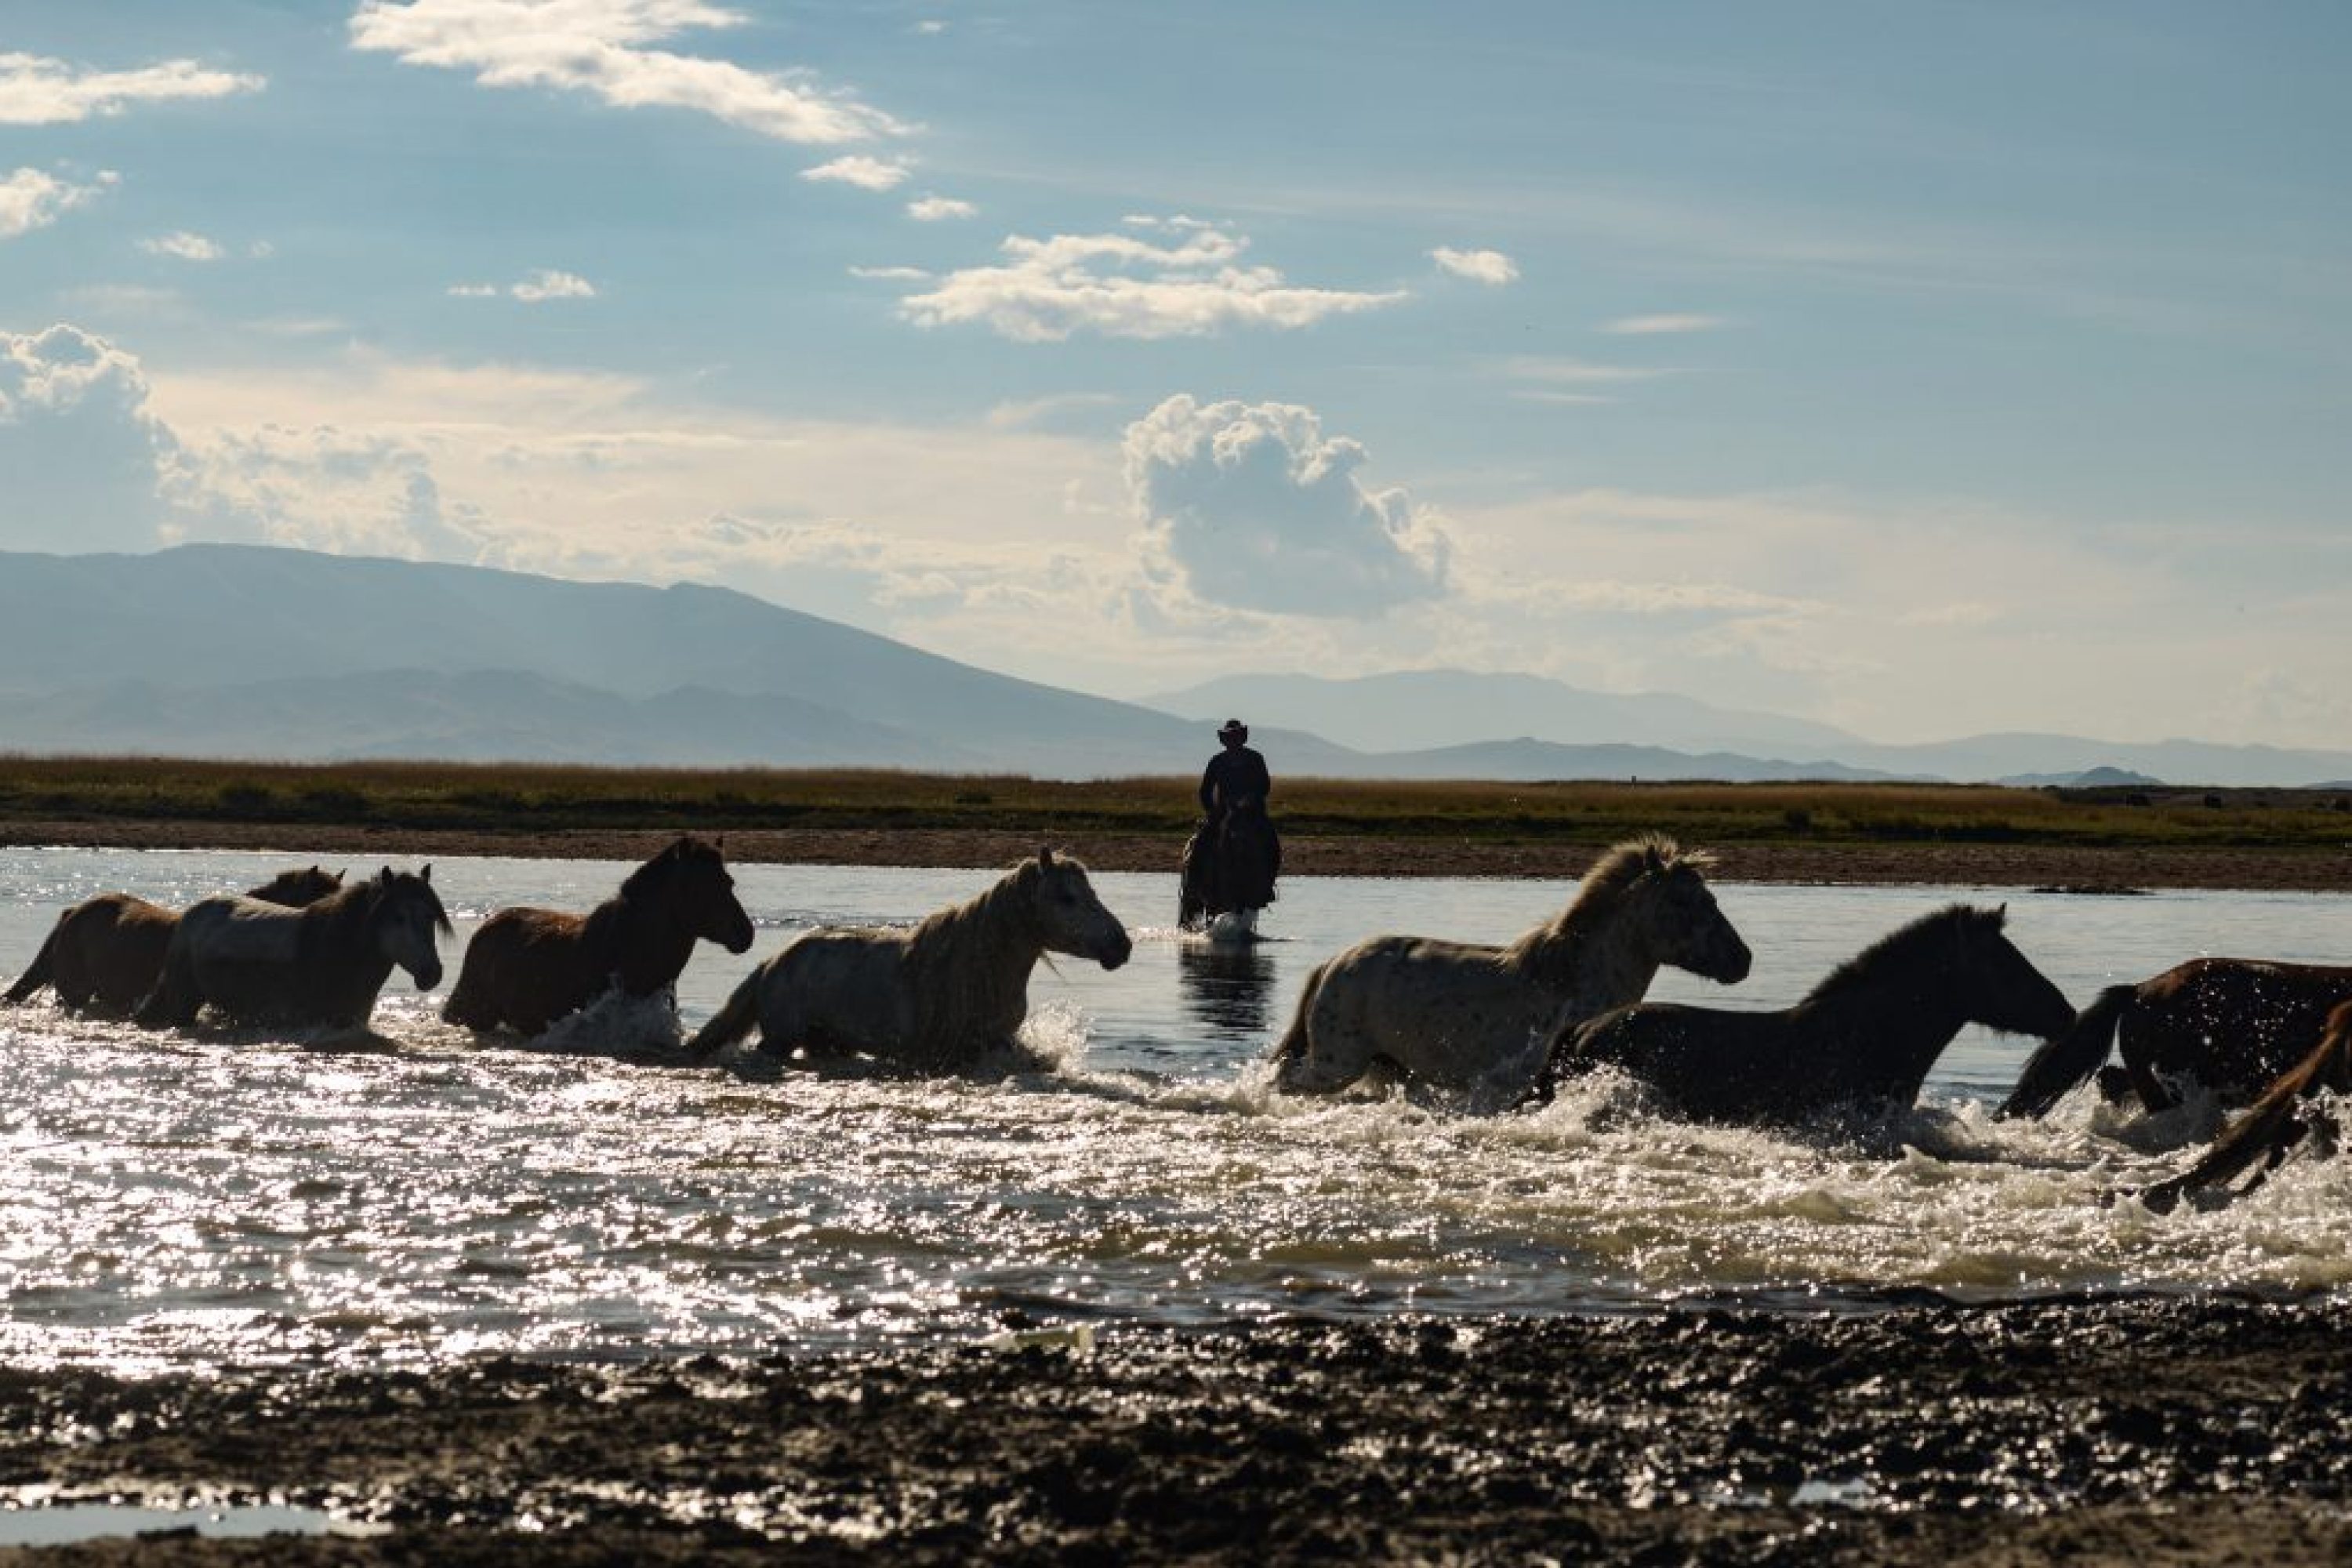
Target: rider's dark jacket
point(1235, 774)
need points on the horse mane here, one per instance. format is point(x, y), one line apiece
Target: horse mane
point(347, 910)
point(955, 961)
point(1604, 886)
point(602, 931)
point(1921, 945)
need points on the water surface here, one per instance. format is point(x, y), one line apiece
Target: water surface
point(182, 1199)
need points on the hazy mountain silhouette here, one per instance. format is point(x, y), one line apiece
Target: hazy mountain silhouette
point(249, 651)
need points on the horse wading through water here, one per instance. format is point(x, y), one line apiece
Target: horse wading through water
point(1230, 866)
point(110, 949)
point(2230, 1025)
point(320, 965)
point(527, 967)
point(940, 998)
point(1464, 1016)
point(1864, 1037)
point(2274, 1126)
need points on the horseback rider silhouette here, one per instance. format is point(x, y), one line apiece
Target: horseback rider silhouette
point(1231, 872)
point(1234, 775)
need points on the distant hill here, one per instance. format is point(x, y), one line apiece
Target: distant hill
point(246, 651)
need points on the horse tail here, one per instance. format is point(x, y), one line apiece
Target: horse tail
point(734, 1020)
point(41, 969)
point(2071, 1057)
point(1292, 1047)
point(2267, 1131)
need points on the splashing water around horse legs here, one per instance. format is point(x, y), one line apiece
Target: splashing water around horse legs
point(941, 998)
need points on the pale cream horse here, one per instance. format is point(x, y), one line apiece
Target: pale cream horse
point(940, 998)
point(1466, 1017)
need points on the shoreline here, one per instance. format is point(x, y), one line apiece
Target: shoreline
point(2066, 868)
point(2112, 1432)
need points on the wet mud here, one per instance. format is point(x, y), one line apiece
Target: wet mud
point(2148, 1431)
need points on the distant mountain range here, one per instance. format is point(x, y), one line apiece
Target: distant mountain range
point(246, 651)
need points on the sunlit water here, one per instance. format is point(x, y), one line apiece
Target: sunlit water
point(184, 1200)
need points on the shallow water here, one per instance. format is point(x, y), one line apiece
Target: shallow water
point(183, 1200)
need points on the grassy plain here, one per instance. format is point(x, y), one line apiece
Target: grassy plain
point(526, 800)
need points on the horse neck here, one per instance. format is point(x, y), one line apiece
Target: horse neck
point(1598, 955)
point(639, 939)
point(1899, 1023)
point(974, 959)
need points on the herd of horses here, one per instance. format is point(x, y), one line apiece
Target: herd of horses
point(1503, 1026)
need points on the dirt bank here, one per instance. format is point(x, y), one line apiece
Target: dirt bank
point(1956, 864)
point(2138, 1432)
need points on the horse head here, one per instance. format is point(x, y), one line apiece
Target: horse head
point(297, 888)
point(405, 917)
point(702, 891)
point(1070, 918)
point(2005, 992)
point(1687, 929)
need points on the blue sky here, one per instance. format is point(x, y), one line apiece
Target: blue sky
point(1922, 368)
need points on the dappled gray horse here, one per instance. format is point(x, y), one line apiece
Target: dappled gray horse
point(940, 998)
point(320, 965)
point(1464, 1016)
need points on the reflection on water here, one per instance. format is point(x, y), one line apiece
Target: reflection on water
point(1228, 987)
point(182, 1199)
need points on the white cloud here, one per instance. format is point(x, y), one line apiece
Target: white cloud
point(544, 285)
point(89, 465)
point(533, 289)
point(1648, 326)
point(1124, 287)
point(30, 199)
point(182, 246)
point(1255, 508)
point(891, 274)
point(937, 209)
point(867, 174)
point(602, 48)
point(36, 91)
point(1489, 266)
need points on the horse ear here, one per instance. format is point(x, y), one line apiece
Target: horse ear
point(1046, 857)
point(426, 875)
point(384, 875)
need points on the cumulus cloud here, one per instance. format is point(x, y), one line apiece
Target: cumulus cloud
point(180, 245)
point(1489, 267)
point(36, 91)
point(604, 47)
point(324, 487)
point(1649, 326)
point(1125, 286)
point(867, 174)
point(89, 465)
point(533, 288)
point(1255, 507)
point(30, 199)
point(937, 209)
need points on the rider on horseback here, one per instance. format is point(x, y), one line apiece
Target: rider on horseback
point(1234, 775)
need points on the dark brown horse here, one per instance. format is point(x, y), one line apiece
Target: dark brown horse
point(526, 967)
point(1229, 867)
point(110, 949)
point(2274, 1126)
point(1866, 1037)
point(320, 965)
point(2231, 1024)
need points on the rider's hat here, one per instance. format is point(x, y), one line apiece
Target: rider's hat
point(1235, 729)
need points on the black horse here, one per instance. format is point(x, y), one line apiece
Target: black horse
point(1229, 866)
point(1865, 1036)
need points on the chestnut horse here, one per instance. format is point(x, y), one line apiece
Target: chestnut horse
point(110, 949)
point(2231, 1024)
point(527, 967)
point(1866, 1035)
point(940, 998)
point(320, 965)
point(2274, 1126)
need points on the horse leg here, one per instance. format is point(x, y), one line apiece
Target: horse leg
point(1317, 1053)
point(178, 996)
point(41, 971)
point(733, 1021)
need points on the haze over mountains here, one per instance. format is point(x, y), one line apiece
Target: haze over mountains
point(248, 651)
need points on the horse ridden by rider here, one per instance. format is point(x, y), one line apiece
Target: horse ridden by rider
point(1234, 857)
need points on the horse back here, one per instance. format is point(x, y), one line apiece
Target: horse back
point(111, 948)
point(524, 966)
point(2234, 1024)
point(840, 987)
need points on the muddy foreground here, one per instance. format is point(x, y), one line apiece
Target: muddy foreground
point(2137, 1431)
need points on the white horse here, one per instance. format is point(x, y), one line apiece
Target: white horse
point(321, 964)
point(1463, 1016)
point(937, 999)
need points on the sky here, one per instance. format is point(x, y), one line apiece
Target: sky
point(1926, 369)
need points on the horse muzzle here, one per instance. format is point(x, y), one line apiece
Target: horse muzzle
point(1115, 953)
point(1728, 965)
point(428, 978)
